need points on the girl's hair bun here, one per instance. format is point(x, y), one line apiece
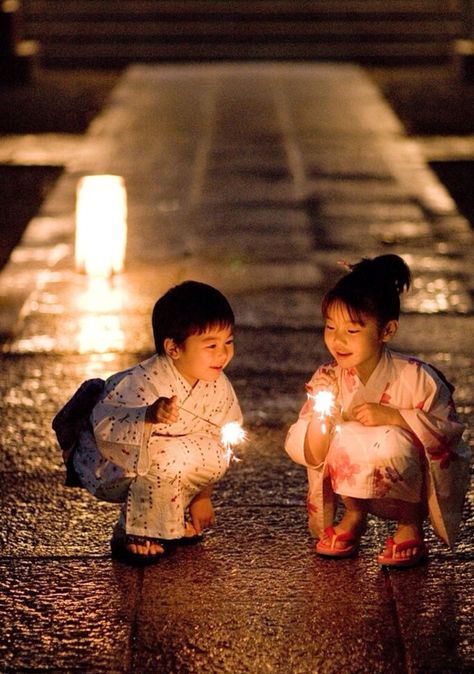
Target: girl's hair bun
point(388, 270)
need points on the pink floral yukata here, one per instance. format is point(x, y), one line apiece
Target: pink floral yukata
point(377, 462)
point(155, 470)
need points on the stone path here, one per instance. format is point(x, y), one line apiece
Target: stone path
point(257, 178)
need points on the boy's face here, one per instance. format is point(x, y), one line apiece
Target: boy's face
point(203, 356)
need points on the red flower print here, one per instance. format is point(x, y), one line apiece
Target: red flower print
point(385, 397)
point(342, 470)
point(349, 375)
point(384, 478)
point(444, 455)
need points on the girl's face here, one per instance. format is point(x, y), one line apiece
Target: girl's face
point(202, 356)
point(356, 344)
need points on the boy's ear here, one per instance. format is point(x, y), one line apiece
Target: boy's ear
point(389, 330)
point(171, 348)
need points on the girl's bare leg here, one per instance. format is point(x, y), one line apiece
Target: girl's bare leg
point(353, 520)
point(409, 518)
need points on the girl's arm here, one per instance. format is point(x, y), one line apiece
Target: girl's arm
point(316, 441)
point(308, 439)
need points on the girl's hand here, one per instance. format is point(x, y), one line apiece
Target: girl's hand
point(325, 379)
point(373, 414)
point(202, 512)
point(163, 411)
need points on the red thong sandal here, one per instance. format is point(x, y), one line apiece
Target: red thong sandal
point(392, 548)
point(330, 550)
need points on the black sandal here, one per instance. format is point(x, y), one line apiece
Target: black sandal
point(119, 547)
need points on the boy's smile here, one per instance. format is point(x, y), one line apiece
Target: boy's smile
point(203, 355)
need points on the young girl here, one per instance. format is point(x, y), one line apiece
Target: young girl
point(392, 445)
point(152, 440)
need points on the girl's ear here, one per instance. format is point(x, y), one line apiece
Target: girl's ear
point(171, 348)
point(389, 330)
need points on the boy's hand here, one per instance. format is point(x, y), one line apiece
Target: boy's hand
point(202, 512)
point(163, 411)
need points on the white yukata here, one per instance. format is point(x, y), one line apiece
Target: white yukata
point(377, 462)
point(155, 469)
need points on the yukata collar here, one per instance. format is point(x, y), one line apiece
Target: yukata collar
point(182, 386)
point(385, 358)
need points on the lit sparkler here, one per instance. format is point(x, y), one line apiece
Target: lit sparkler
point(324, 405)
point(231, 434)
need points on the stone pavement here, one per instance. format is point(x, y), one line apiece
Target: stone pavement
point(258, 179)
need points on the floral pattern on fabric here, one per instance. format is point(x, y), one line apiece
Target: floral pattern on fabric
point(394, 462)
point(342, 470)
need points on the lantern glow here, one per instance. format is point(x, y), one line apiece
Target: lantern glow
point(101, 225)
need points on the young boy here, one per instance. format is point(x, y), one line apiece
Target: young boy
point(153, 441)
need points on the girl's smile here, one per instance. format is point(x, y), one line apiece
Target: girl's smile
point(354, 343)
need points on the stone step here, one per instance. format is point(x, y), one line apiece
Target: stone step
point(111, 33)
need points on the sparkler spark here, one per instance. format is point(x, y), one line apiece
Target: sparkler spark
point(324, 405)
point(231, 434)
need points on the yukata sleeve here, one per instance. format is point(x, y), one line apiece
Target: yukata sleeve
point(233, 411)
point(118, 421)
point(438, 430)
point(226, 408)
point(433, 418)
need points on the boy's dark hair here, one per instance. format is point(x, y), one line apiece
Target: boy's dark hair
point(371, 288)
point(186, 309)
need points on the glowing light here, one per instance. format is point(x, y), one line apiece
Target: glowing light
point(232, 434)
point(101, 225)
point(323, 405)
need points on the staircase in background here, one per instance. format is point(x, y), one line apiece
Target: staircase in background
point(113, 33)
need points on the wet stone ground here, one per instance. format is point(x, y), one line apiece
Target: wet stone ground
point(261, 201)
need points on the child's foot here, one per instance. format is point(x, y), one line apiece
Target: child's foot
point(133, 549)
point(144, 547)
point(405, 548)
point(343, 539)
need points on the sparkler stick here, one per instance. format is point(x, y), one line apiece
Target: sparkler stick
point(231, 434)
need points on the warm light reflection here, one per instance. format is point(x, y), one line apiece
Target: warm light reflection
point(101, 225)
point(101, 297)
point(100, 334)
